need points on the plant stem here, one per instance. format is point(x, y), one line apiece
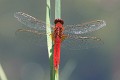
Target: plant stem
point(57, 9)
point(49, 40)
point(54, 74)
point(57, 15)
point(2, 74)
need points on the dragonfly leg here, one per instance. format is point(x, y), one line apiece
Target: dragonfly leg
point(63, 37)
point(52, 37)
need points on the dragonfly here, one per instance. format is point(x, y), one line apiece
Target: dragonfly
point(69, 35)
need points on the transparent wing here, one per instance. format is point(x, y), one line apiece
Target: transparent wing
point(71, 42)
point(84, 28)
point(76, 42)
point(29, 36)
point(30, 21)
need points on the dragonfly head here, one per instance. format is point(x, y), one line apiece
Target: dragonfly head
point(59, 20)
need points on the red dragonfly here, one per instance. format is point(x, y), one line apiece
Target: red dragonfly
point(70, 35)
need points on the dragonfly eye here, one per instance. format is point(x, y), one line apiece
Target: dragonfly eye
point(59, 20)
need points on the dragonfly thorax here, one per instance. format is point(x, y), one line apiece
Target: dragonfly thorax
point(58, 30)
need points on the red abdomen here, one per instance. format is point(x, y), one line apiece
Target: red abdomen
point(56, 55)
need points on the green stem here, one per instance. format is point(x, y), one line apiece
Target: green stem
point(57, 74)
point(54, 74)
point(57, 9)
point(57, 15)
point(49, 40)
point(2, 74)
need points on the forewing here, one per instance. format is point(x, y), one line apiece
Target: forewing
point(84, 28)
point(30, 21)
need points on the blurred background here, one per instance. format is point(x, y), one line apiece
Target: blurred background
point(22, 60)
